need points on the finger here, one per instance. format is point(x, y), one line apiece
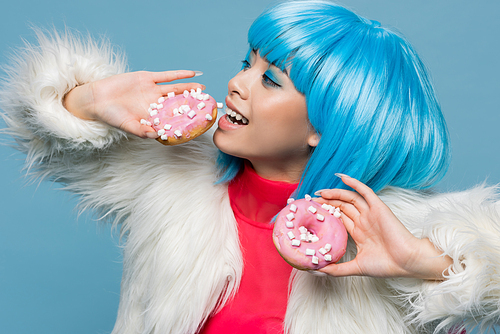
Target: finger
point(361, 188)
point(138, 129)
point(179, 88)
point(341, 269)
point(168, 76)
point(346, 196)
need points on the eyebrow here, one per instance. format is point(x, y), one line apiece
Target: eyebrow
point(284, 71)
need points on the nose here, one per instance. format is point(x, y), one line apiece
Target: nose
point(240, 85)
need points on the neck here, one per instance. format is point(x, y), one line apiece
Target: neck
point(290, 173)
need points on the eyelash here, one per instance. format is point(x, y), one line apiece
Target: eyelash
point(265, 79)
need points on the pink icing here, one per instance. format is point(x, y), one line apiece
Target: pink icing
point(183, 122)
point(329, 231)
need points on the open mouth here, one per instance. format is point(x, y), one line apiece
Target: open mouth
point(235, 118)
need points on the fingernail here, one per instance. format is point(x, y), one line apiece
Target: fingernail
point(198, 73)
point(341, 175)
point(318, 192)
point(152, 135)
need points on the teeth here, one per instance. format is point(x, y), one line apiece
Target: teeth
point(235, 115)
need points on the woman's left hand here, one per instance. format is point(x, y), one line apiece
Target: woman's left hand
point(385, 248)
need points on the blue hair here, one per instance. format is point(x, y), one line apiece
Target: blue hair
point(368, 96)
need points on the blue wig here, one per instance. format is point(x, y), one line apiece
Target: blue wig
point(368, 96)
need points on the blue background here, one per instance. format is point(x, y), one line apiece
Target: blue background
point(60, 272)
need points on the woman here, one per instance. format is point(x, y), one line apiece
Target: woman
point(351, 98)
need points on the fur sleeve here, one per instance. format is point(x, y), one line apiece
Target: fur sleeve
point(466, 226)
point(35, 82)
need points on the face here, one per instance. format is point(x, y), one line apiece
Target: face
point(267, 122)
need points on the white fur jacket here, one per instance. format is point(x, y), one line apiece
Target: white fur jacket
point(182, 259)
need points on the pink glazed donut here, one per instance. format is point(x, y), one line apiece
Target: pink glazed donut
point(180, 118)
point(309, 235)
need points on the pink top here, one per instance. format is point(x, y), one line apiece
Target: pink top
point(260, 304)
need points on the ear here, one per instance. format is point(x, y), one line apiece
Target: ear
point(313, 139)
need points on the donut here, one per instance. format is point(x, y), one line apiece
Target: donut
point(309, 235)
point(180, 118)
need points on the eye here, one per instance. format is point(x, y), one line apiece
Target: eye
point(245, 65)
point(268, 81)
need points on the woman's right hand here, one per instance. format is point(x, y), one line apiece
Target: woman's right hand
point(123, 100)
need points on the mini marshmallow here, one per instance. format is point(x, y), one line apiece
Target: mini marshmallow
point(178, 133)
point(332, 210)
point(290, 216)
point(303, 237)
point(185, 107)
point(159, 106)
point(314, 239)
point(328, 257)
point(310, 251)
point(289, 224)
point(143, 121)
point(185, 93)
point(191, 114)
point(291, 235)
point(199, 97)
point(327, 247)
point(161, 100)
point(295, 242)
point(206, 97)
point(315, 260)
point(320, 217)
point(153, 112)
point(164, 137)
point(327, 207)
point(167, 127)
point(302, 230)
point(153, 105)
point(290, 200)
point(171, 95)
point(307, 197)
point(219, 105)
point(201, 105)
point(156, 121)
point(161, 132)
point(312, 209)
point(198, 90)
point(337, 214)
point(208, 117)
point(322, 251)
point(293, 208)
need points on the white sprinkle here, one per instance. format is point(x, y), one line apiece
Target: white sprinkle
point(322, 251)
point(201, 105)
point(199, 97)
point(320, 217)
point(167, 127)
point(159, 106)
point(289, 224)
point(161, 132)
point(337, 214)
point(337, 209)
point(307, 197)
point(191, 114)
point(185, 107)
point(148, 123)
point(315, 260)
point(153, 105)
point(293, 208)
point(164, 137)
point(198, 90)
point(208, 117)
point(178, 133)
point(153, 112)
point(291, 235)
point(161, 100)
point(326, 206)
point(186, 93)
point(310, 251)
point(206, 97)
point(171, 95)
point(193, 93)
point(332, 210)
point(143, 121)
point(303, 237)
point(296, 243)
point(314, 239)
point(290, 200)
point(156, 121)
point(219, 105)
point(327, 247)
point(312, 209)
point(328, 257)
point(302, 230)
point(290, 216)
